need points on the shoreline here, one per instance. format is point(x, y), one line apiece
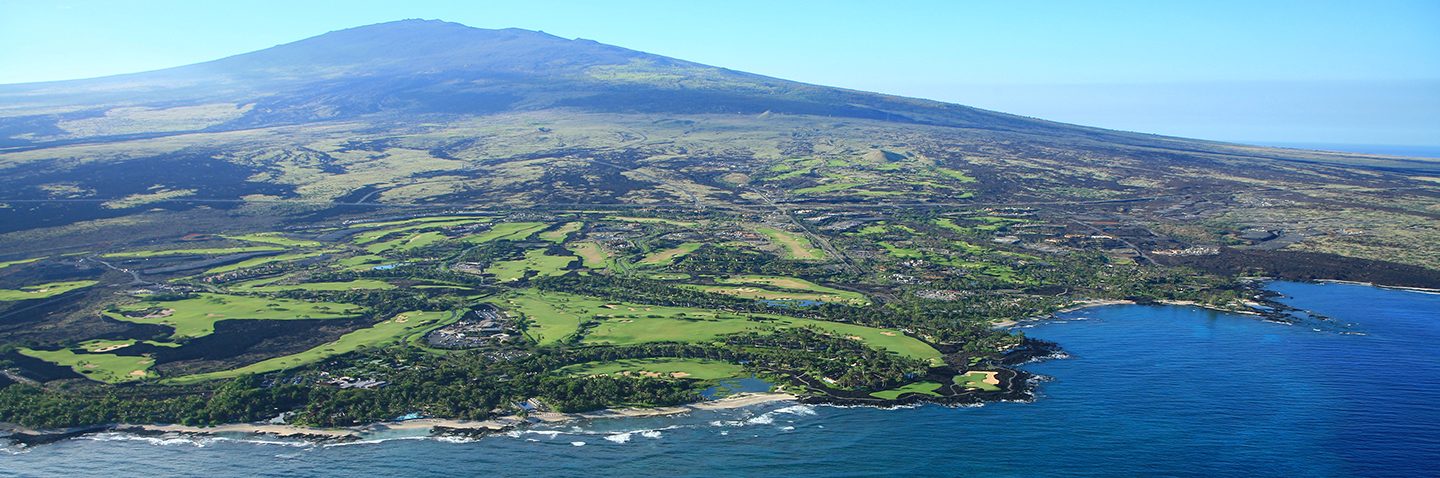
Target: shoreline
point(1422, 290)
point(435, 426)
point(1018, 389)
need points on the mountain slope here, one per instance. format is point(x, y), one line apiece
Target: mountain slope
point(418, 66)
point(421, 113)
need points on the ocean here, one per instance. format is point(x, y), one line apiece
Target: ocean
point(1412, 151)
point(1146, 390)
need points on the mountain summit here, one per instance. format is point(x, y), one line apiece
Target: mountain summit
point(419, 47)
point(424, 113)
point(430, 66)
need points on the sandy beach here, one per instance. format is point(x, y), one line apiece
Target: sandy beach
point(497, 424)
point(1071, 308)
point(1372, 284)
point(1085, 304)
point(256, 428)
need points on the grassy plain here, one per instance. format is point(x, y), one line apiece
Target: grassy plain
point(361, 262)
point(552, 316)
point(427, 219)
point(101, 367)
point(513, 231)
point(698, 369)
point(19, 262)
point(592, 254)
point(923, 388)
point(792, 246)
point(535, 260)
point(372, 236)
point(977, 380)
point(749, 292)
point(796, 283)
point(276, 239)
point(397, 329)
point(625, 324)
point(827, 188)
point(560, 234)
point(669, 255)
point(213, 251)
point(43, 291)
point(654, 220)
point(260, 261)
point(196, 316)
point(267, 285)
point(406, 243)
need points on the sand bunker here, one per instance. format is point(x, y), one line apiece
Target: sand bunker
point(990, 377)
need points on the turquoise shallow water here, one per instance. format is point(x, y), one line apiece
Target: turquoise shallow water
point(1171, 391)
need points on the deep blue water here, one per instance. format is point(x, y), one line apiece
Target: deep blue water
point(1414, 151)
point(1171, 391)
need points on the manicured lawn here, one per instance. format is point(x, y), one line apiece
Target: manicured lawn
point(358, 284)
point(669, 276)
point(970, 248)
point(697, 369)
point(749, 292)
point(793, 246)
point(552, 315)
point(43, 291)
point(421, 240)
point(994, 223)
point(795, 283)
point(826, 188)
point(948, 223)
point(923, 388)
point(406, 243)
point(100, 346)
point(977, 380)
point(955, 174)
point(593, 255)
point(196, 316)
point(892, 340)
point(214, 251)
point(669, 255)
point(363, 262)
point(260, 261)
point(431, 219)
point(899, 252)
point(100, 367)
point(560, 234)
point(513, 231)
point(535, 260)
point(629, 324)
point(555, 315)
point(372, 236)
point(626, 324)
point(653, 220)
point(19, 262)
point(873, 229)
point(276, 239)
point(395, 330)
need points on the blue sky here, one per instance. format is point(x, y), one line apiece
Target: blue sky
point(1259, 71)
